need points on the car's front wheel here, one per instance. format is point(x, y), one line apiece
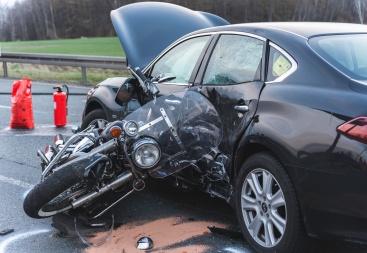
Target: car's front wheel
point(96, 117)
point(267, 208)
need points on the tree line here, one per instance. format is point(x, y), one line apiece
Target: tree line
point(61, 19)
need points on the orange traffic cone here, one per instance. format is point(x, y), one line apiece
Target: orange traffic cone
point(21, 105)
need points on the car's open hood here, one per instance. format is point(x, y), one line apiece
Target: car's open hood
point(145, 29)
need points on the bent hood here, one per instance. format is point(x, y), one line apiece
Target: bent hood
point(146, 29)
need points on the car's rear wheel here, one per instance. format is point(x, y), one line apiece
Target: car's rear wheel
point(96, 117)
point(267, 208)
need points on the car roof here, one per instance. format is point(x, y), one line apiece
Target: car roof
point(301, 29)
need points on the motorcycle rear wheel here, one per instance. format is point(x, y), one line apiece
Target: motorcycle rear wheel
point(56, 193)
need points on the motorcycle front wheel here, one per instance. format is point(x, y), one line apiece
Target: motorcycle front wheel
point(56, 193)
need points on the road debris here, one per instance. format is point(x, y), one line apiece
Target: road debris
point(6, 231)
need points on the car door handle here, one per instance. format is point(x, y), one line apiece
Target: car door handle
point(241, 108)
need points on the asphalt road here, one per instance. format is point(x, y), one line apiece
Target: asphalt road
point(19, 172)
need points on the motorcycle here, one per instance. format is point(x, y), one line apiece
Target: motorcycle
point(160, 139)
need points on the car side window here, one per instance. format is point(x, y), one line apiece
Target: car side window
point(235, 59)
point(279, 64)
point(180, 60)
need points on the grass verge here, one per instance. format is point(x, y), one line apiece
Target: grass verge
point(84, 46)
point(59, 74)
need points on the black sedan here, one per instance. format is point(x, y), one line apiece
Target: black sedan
point(293, 101)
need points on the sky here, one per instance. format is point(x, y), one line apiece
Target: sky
point(7, 2)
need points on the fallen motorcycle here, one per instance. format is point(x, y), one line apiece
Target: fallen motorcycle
point(166, 135)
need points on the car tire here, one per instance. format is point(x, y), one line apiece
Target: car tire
point(267, 207)
point(96, 117)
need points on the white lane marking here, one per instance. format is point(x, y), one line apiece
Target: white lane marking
point(15, 182)
point(3, 106)
point(40, 130)
point(21, 236)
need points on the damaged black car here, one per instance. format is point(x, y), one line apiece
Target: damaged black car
point(291, 98)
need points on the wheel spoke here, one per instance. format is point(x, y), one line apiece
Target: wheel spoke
point(255, 226)
point(255, 185)
point(269, 234)
point(267, 183)
point(278, 221)
point(277, 199)
point(248, 203)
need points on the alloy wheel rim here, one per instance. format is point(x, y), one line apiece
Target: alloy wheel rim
point(263, 208)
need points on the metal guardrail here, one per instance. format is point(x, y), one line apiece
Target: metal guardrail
point(82, 61)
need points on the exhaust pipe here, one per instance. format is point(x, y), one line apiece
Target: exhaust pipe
point(119, 181)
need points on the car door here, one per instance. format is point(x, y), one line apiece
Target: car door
point(231, 78)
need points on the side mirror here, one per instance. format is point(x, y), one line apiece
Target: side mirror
point(125, 92)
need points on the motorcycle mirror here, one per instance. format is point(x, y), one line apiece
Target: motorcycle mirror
point(144, 243)
point(75, 129)
point(125, 92)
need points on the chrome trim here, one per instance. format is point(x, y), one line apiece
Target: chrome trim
point(290, 58)
point(116, 183)
point(83, 144)
point(241, 108)
point(178, 84)
point(149, 124)
point(62, 151)
point(59, 139)
point(42, 156)
point(242, 34)
point(200, 35)
point(194, 36)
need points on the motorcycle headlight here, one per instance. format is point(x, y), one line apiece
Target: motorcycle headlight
point(146, 153)
point(131, 128)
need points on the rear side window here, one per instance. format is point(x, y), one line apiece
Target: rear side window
point(279, 65)
point(345, 52)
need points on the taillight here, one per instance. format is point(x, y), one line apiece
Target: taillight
point(355, 129)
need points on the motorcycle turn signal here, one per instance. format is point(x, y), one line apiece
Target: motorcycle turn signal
point(115, 131)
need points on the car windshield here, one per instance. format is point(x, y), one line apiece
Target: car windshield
point(346, 52)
